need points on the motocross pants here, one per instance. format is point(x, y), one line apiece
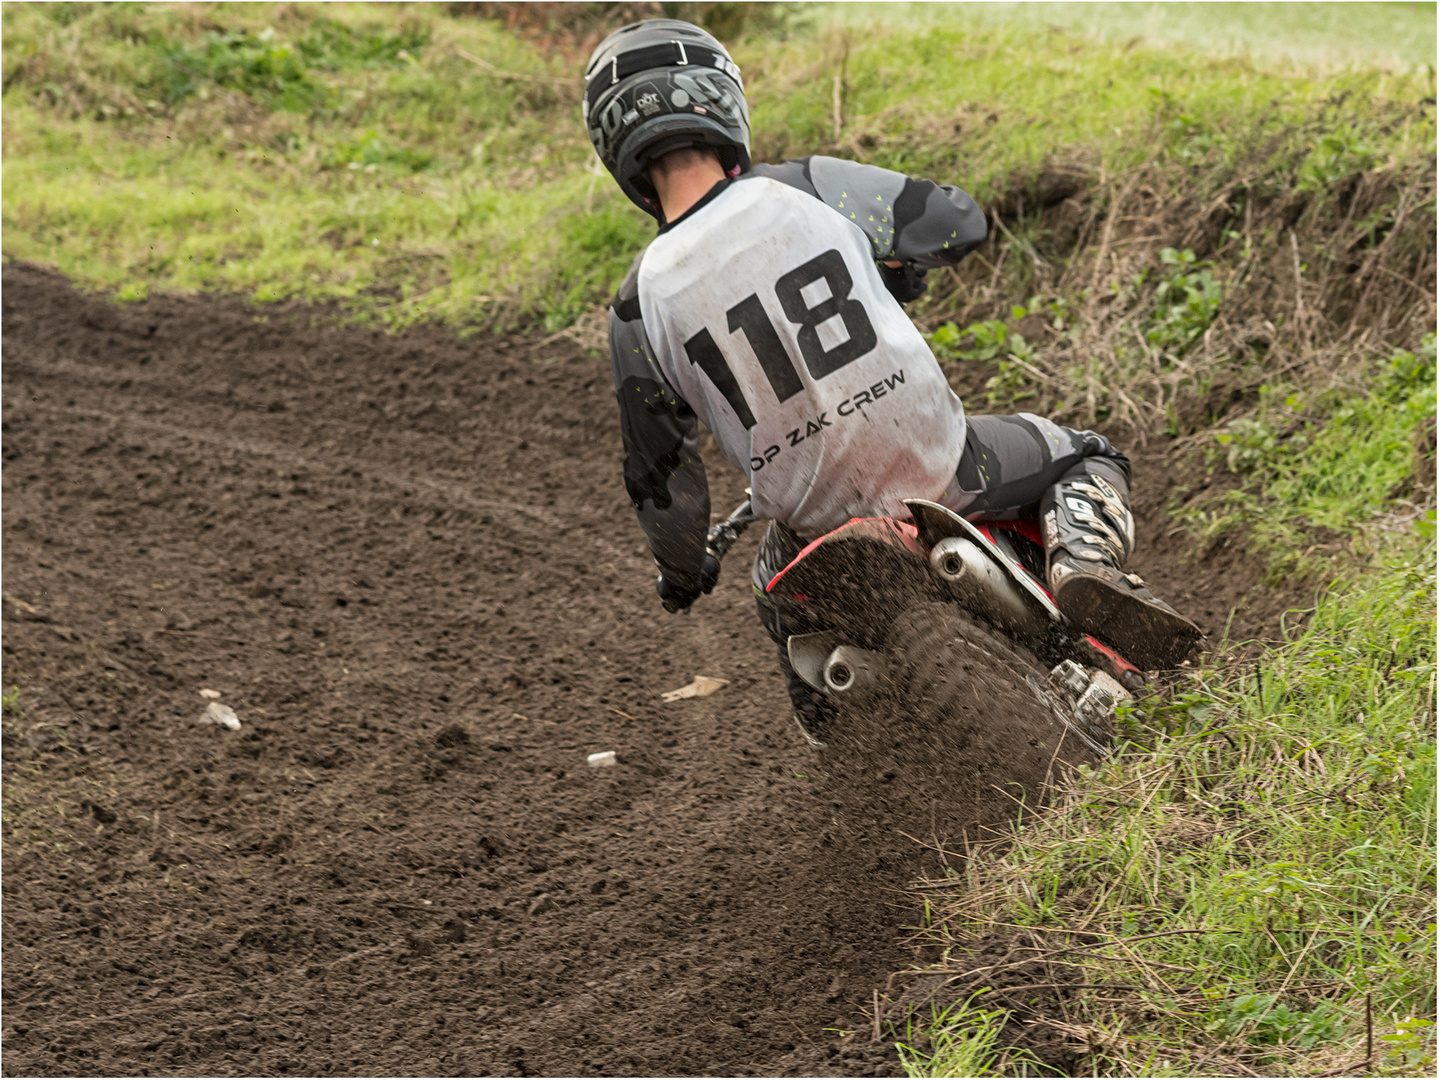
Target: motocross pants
point(1008, 465)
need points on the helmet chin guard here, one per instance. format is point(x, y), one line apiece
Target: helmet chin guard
point(663, 85)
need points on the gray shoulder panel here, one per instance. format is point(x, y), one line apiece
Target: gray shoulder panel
point(865, 194)
point(795, 174)
point(915, 221)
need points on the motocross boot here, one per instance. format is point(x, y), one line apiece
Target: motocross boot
point(1088, 536)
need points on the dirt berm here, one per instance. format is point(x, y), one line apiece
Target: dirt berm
point(408, 564)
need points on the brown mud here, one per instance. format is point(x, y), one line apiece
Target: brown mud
point(409, 565)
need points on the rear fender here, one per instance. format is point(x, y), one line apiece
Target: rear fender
point(855, 580)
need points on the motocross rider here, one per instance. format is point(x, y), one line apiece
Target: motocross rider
point(769, 307)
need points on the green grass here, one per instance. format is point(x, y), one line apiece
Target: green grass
point(340, 152)
point(1325, 464)
point(353, 152)
point(1255, 864)
point(1392, 35)
point(973, 103)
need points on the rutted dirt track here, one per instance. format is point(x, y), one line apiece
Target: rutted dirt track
point(409, 565)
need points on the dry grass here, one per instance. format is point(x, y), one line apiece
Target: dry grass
point(1312, 288)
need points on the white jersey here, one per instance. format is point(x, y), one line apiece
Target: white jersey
point(762, 312)
point(768, 316)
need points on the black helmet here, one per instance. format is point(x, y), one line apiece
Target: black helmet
point(657, 86)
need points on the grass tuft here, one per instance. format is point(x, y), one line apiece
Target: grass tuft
point(1318, 466)
point(962, 1040)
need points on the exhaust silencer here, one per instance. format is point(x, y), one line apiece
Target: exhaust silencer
point(848, 670)
point(977, 581)
point(824, 662)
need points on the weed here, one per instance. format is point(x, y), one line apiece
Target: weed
point(1323, 462)
point(1335, 156)
point(1265, 1021)
point(992, 340)
point(1186, 303)
point(331, 45)
point(258, 65)
point(962, 1040)
point(1249, 443)
point(371, 150)
point(1412, 1040)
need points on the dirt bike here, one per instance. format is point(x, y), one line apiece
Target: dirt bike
point(936, 608)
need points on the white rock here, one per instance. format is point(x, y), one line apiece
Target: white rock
point(211, 694)
point(215, 713)
point(603, 760)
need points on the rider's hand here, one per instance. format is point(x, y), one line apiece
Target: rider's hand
point(904, 281)
point(675, 598)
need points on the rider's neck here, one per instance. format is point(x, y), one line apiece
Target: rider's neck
point(684, 177)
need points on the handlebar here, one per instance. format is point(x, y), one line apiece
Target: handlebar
point(722, 536)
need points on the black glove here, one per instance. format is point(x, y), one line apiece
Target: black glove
point(904, 282)
point(675, 598)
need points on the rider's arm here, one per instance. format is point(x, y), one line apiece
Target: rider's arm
point(664, 476)
point(918, 222)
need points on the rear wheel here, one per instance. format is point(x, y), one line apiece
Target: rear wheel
point(959, 672)
point(963, 734)
point(966, 708)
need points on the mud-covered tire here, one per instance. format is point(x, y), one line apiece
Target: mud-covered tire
point(961, 734)
point(952, 662)
point(981, 694)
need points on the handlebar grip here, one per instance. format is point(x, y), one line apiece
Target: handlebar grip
point(722, 536)
point(720, 541)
